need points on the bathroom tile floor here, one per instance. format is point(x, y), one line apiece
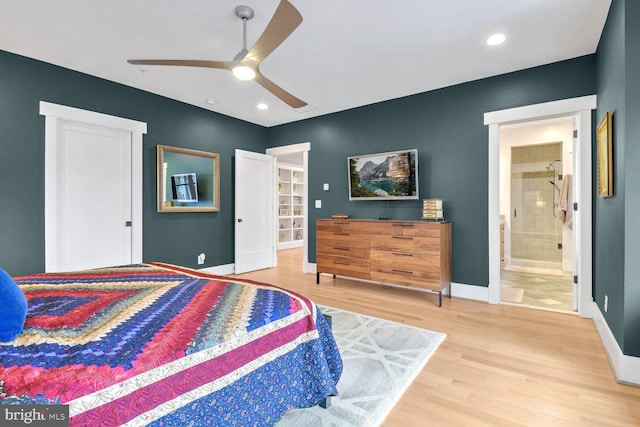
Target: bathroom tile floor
point(548, 292)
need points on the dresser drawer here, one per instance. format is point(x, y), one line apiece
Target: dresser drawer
point(430, 279)
point(342, 239)
point(396, 228)
point(343, 268)
point(404, 260)
point(343, 226)
point(407, 244)
point(341, 252)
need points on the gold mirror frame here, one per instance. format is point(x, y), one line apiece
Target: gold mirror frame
point(206, 166)
point(605, 156)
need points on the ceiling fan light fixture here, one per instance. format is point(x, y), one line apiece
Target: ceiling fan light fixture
point(242, 72)
point(496, 39)
point(246, 64)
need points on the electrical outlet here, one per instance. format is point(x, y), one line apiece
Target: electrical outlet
point(606, 303)
point(201, 258)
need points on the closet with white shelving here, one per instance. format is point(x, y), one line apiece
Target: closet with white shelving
point(290, 207)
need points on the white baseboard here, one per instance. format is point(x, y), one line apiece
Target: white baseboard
point(220, 270)
point(477, 293)
point(625, 368)
point(494, 293)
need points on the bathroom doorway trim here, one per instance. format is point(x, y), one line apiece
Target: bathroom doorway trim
point(580, 109)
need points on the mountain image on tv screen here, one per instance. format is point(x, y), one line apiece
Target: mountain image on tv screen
point(390, 175)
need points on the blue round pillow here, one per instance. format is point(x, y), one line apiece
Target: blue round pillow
point(14, 308)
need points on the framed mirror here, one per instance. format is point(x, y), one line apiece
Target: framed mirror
point(188, 180)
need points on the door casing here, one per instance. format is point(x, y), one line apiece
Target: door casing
point(580, 108)
point(56, 117)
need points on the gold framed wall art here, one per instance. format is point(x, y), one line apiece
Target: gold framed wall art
point(605, 156)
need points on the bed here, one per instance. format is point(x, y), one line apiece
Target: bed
point(157, 344)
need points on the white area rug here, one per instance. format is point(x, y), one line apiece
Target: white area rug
point(381, 359)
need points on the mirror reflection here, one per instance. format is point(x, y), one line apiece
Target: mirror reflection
point(188, 180)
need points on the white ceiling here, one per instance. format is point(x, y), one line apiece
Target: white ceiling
point(345, 54)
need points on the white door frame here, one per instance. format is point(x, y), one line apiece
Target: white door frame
point(56, 116)
point(580, 108)
point(303, 147)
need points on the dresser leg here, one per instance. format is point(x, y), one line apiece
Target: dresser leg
point(440, 299)
point(317, 278)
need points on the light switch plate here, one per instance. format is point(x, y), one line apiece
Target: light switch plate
point(318, 204)
point(325, 187)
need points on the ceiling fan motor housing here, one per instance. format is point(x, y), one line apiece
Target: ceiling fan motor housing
point(244, 12)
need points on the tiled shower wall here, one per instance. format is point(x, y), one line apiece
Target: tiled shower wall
point(535, 230)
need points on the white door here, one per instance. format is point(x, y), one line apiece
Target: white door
point(94, 197)
point(255, 247)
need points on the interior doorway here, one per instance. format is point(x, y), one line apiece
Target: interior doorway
point(536, 161)
point(580, 110)
point(291, 227)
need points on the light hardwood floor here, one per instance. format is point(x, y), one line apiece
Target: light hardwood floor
point(500, 365)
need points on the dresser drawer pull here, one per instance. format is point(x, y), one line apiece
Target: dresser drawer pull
point(341, 249)
point(341, 263)
point(403, 237)
point(405, 272)
point(402, 225)
point(341, 234)
point(401, 254)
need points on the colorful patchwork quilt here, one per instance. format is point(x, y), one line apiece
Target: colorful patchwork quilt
point(156, 344)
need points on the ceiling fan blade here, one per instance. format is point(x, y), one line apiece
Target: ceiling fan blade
point(184, 63)
point(284, 21)
point(285, 96)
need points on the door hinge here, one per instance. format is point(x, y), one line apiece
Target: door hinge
point(127, 224)
point(575, 206)
point(575, 133)
point(575, 279)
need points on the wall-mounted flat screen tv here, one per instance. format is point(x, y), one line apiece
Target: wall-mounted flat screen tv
point(184, 187)
point(384, 176)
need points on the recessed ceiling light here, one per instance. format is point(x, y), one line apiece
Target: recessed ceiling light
point(211, 101)
point(496, 39)
point(263, 106)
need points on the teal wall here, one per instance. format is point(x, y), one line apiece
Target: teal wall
point(446, 126)
point(632, 189)
point(609, 236)
point(616, 227)
point(169, 237)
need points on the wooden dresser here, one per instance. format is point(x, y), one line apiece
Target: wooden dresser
point(415, 254)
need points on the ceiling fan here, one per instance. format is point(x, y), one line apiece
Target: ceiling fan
point(246, 64)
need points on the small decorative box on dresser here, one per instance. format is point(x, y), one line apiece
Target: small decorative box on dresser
point(415, 254)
